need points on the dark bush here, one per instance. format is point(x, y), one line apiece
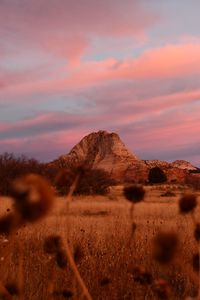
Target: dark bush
point(12, 167)
point(157, 175)
point(93, 181)
point(90, 181)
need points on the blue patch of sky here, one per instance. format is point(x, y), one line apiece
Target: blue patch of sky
point(38, 104)
point(62, 102)
point(102, 48)
point(177, 18)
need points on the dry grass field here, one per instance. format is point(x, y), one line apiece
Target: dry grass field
point(99, 231)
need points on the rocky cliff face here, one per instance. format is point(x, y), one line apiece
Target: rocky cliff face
point(103, 150)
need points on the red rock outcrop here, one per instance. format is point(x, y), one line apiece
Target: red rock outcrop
point(104, 150)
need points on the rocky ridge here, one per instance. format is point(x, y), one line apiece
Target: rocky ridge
point(104, 150)
point(183, 164)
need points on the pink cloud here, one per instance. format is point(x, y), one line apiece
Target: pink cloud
point(172, 61)
point(65, 27)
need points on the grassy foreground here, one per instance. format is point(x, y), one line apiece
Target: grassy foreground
point(106, 252)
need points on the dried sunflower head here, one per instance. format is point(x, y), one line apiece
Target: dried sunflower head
point(134, 193)
point(187, 203)
point(33, 197)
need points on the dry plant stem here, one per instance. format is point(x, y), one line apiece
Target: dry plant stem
point(131, 211)
point(76, 272)
point(193, 218)
point(69, 199)
point(51, 282)
point(72, 189)
point(72, 263)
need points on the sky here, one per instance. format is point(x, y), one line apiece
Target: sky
point(72, 67)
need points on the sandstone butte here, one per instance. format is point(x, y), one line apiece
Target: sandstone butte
point(104, 150)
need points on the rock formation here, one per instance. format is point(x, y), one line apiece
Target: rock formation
point(103, 150)
point(183, 164)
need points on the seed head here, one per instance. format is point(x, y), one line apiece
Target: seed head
point(164, 246)
point(195, 262)
point(134, 193)
point(187, 203)
point(161, 289)
point(52, 244)
point(33, 197)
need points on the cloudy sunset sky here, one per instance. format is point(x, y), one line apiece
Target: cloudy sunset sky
point(71, 67)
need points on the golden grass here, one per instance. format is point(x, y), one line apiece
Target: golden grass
point(100, 229)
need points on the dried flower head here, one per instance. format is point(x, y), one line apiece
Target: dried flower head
point(61, 259)
point(195, 262)
point(52, 244)
point(141, 276)
point(134, 193)
point(33, 197)
point(187, 203)
point(161, 289)
point(164, 246)
point(197, 232)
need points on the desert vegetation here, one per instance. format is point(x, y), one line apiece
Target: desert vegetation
point(141, 243)
point(157, 175)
